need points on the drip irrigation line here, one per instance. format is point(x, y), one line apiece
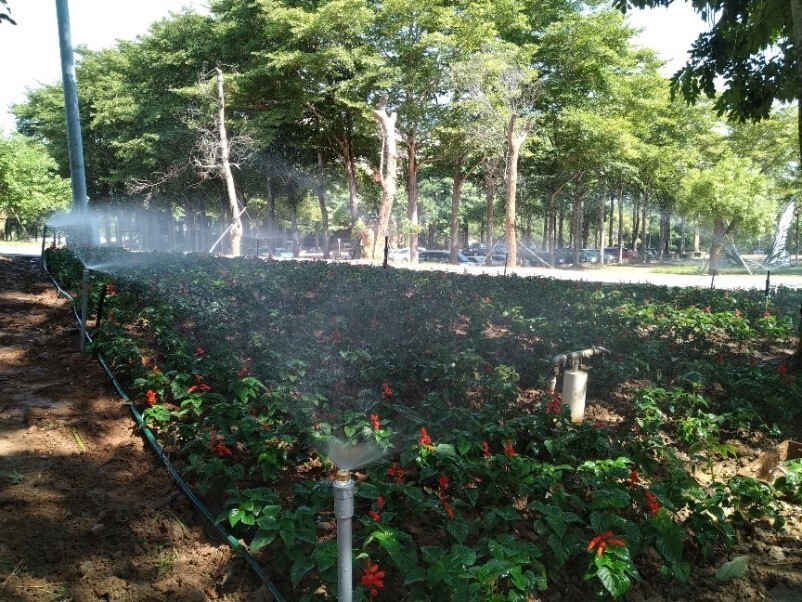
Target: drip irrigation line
point(159, 450)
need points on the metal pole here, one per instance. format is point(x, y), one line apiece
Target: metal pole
point(84, 308)
point(344, 511)
point(80, 200)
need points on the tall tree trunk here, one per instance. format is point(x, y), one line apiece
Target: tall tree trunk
point(491, 170)
point(515, 139)
point(389, 167)
point(576, 224)
point(600, 229)
point(620, 239)
point(719, 231)
point(644, 226)
point(456, 196)
point(292, 201)
point(665, 232)
point(347, 147)
point(412, 196)
point(225, 163)
point(272, 233)
point(321, 198)
point(796, 19)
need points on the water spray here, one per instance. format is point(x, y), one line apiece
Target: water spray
point(344, 511)
point(768, 285)
point(44, 239)
point(84, 307)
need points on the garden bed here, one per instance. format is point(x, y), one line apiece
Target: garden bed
point(482, 487)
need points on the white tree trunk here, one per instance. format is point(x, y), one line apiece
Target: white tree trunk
point(389, 162)
point(225, 162)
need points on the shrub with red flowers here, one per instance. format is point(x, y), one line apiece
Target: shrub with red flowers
point(372, 579)
point(511, 522)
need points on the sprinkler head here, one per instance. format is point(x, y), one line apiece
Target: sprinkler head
point(343, 476)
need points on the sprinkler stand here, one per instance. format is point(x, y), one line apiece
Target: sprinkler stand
point(575, 389)
point(84, 307)
point(344, 512)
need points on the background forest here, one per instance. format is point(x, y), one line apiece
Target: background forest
point(438, 124)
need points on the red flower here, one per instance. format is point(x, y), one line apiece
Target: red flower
point(374, 515)
point(448, 509)
point(396, 473)
point(372, 579)
point(602, 540)
point(380, 502)
point(766, 313)
point(442, 482)
point(200, 351)
point(220, 448)
point(652, 505)
point(707, 309)
point(374, 422)
point(150, 396)
point(554, 407)
point(487, 300)
point(782, 369)
point(509, 450)
point(242, 372)
point(110, 290)
point(387, 392)
point(486, 449)
point(424, 440)
point(202, 387)
point(633, 478)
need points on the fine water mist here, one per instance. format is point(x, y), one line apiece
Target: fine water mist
point(349, 456)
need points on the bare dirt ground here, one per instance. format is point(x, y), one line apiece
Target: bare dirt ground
point(87, 511)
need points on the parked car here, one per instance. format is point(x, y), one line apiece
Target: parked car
point(440, 256)
point(403, 254)
point(279, 253)
point(611, 254)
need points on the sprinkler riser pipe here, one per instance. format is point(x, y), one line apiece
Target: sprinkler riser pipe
point(575, 389)
point(343, 512)
point(84, 308)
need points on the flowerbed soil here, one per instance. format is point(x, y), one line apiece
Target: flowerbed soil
point(88, 513)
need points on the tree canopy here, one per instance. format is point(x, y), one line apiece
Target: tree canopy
point(30, 187)
point(547, 108)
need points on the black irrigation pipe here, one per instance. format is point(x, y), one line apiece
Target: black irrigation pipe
point(151, 438)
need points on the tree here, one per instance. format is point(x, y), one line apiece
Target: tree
point(30, 186)
point(729, 195)
point(5, 13)
point(502, 89)
point(755, 46)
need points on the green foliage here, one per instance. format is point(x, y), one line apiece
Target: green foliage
point(30, 187)
point(472, 490)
